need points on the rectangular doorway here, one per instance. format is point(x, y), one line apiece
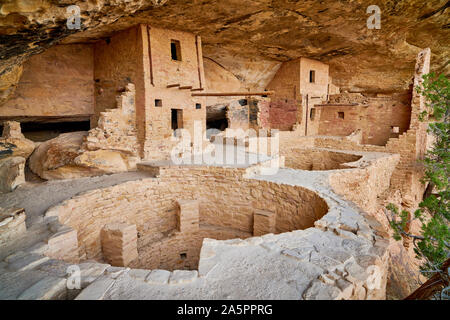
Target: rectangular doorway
point(177, 119)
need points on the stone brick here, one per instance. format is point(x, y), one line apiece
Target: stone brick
point(188, 215)
point(119, 244)
point(263, 222)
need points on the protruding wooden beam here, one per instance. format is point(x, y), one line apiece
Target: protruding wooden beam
point(185, 87)
point(173, 85)
point(230, 94)
point(198, 89)
point(336, 105)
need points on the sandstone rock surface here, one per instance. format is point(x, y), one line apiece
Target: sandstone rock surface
point(63, 158)
point(53, 158)
point(13, 143)
point(11, 173)
point(270, 31)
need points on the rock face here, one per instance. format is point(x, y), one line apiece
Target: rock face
point(14, 151)
point(63, 158)
point(12, 225)
point(105, 160)
point(248, 37)
point(13, 143)
point(52, 158)
point(11, 173)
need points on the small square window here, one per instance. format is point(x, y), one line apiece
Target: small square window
point(312, 76)
point(198, 106)
point(183, 256)
point(340, 115)
point(158, 103)
point(175, 50)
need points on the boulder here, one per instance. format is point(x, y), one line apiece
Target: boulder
point(104, 160)
point(13, 143)
point(12, 173)
point(53, 159)
point(64, 158)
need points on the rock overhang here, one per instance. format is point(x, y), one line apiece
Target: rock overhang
point(270, 32)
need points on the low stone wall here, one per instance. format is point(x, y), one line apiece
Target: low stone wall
point(227, 205)
point(341, 255)
point(364, 184)
point(317, 159)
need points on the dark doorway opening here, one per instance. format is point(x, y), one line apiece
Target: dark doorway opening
point(220, 124)
point(38, 131)
point(177, 119)
point(175, 50)
point(312, 76)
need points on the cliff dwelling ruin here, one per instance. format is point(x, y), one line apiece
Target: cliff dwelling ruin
point(120, 155)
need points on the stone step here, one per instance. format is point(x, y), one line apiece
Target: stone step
point(49, 288)
point(27, 262)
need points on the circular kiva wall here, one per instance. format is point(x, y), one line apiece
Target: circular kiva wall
point(314, 159)
point(229, 206)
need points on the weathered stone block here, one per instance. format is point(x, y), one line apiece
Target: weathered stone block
point(187, 215)
point(263, 222)
point(119, 243)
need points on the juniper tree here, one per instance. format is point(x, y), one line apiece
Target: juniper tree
point(431, 246)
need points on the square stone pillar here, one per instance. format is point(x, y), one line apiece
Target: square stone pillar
point(119, 244)
point(263, 222)
point(187, 215)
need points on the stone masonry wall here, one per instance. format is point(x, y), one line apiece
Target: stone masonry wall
point(227, 204)
point(411, 144)
point(286, 82)
point(317, 159)
point(119, 244)
point(161, 71)
point(382, 118)
point(116, 130)
point(116, 64)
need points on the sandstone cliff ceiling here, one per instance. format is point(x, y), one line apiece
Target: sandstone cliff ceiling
point(249, 37)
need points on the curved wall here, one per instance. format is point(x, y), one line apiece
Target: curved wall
point(227, 204)
point(316, 159)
